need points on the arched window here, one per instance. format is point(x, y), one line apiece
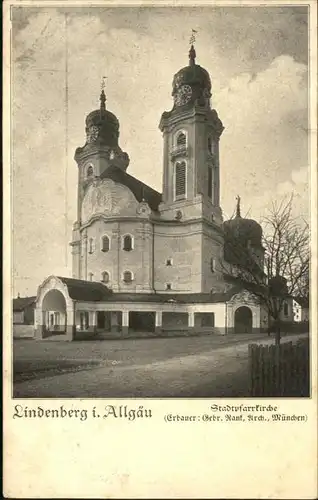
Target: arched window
point(127, 276)
point(127, 243)
point(105, 244)
point(212, 265)
point(210, 145)
point(91, 276)
point(286, 309)
point(105, 277)
point(181, 139)
point(210, 181)
point(91, 245)
point(90, 171)
point(180, 180)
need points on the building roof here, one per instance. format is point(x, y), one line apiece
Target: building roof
point(21, 303)
point(302, 301)
point(138, 188)
point(91, 291)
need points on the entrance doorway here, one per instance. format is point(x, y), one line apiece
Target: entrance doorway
point(243, 320)
point(142, 321)
point(103, 320)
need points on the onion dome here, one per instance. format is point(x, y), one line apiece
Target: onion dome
point(278, 286)
point(193, 75)
point(102, 126)
point(247, 230)
point(102, 136)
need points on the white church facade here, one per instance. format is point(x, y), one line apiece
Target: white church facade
point(144, 260)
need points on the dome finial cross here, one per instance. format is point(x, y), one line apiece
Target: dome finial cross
point(192, 54)
point(238, 206)
point(102, 95)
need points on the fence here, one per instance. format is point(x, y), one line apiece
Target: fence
point(276, 371)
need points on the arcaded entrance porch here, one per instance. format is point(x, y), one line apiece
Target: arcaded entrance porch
point(76, 309)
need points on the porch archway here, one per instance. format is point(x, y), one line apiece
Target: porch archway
point(54, 312)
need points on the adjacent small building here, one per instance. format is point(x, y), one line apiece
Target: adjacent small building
point(301, 309)
point(23, 310)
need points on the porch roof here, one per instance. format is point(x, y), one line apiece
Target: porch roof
point(178, 298)
point(90, 291)
point(89, 294)
point(94, 291)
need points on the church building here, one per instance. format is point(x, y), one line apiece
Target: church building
point(144, 261)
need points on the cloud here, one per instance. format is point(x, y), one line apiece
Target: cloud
point(261, 145)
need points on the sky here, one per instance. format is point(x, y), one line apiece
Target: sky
point(257, 58)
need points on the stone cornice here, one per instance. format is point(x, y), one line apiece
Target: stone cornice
point(155, 222)
point(117, 218)
point(173, 117)
point(88, 150)
point(184, 223)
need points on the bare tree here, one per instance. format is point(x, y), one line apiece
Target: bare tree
point(303, 287)
point(272, 269)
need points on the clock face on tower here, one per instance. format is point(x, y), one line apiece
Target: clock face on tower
point(183, 95)
point(92, 133)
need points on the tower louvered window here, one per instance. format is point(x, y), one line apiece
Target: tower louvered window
point(90, 171)
point(181, 139)
point(180, 180)
point(210, 182)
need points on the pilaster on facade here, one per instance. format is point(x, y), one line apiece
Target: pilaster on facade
point(191, 319)
point(125, 322)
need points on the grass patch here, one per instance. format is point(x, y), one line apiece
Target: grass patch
point(38, 368)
